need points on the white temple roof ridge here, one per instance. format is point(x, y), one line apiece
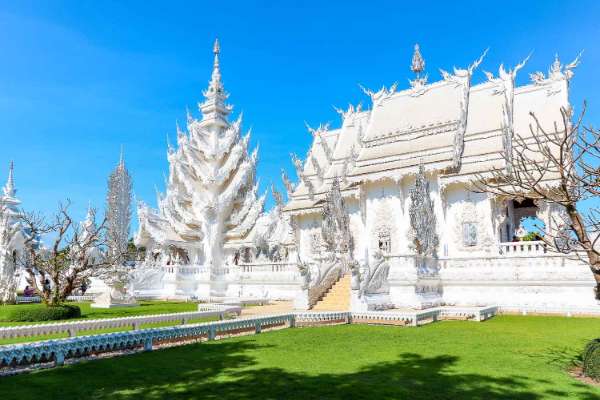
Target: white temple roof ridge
point(424, 123)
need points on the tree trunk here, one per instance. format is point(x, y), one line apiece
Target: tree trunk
point(583, 238)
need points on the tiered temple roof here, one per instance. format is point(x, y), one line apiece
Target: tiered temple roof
point(449, 126)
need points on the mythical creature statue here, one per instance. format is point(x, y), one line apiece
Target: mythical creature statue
point(374, 276)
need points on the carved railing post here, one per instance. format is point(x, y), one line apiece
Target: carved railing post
point(148, 344)
point(59, 358)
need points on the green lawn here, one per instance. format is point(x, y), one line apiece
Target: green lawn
point(508, 357)
point(87, 312)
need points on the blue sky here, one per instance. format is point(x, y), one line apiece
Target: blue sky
point(78, 79)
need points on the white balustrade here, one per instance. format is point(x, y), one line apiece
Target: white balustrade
point(507, 260)
point(72, 327)
point(522, 249)
point(268, 267)
point(186, 269)
point(38, 299)
point(267, 272)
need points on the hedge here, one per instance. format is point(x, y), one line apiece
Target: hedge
point(37, 313)
point(591, 359)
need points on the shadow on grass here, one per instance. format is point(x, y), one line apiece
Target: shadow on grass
point(224, 370)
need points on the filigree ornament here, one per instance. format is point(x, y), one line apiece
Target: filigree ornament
point(422, 217)
point(556, 72)
point(462, 78)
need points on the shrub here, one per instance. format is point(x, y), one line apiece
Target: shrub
point(35, 313)
point(591, 359)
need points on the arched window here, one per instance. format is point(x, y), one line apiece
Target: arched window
point(469, 234)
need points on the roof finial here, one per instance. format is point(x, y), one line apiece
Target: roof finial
point(215, 82)
point(556, 66)
point(216, 48)
point(216, 51)
point(214, 107)
point(90, 216)
point(418, 64)
point(122, 157)
point(9, 188)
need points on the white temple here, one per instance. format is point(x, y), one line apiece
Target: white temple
point(385, 201)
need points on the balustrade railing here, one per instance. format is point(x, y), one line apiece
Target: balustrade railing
point(76, 347)
point(187, 269)
point(247, 270)
point(38, 299)
point(523, 249)
point(73, 327)
point(498, 261)
point(268, 267)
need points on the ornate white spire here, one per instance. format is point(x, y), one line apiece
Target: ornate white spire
point(9, 188)
point(418, 64)
point(211, 197)
point(118, 209)
point(90, 219)
point(214, 107)
point(215, 81)
point(122, 158)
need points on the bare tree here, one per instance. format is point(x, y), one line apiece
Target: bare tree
point(77, 253)
point(558, 165)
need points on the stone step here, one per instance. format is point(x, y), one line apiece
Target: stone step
point(337, 298)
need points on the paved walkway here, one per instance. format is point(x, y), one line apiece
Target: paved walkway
point(276, 307)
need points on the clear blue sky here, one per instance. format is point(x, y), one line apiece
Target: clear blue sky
point(79, 79)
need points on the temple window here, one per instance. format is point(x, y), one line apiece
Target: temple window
point(315, 243)
point(384, 241)
point(469, 234)
point(246, 255)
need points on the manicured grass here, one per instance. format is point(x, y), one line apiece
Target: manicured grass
point(87, 312)
point(508, 357)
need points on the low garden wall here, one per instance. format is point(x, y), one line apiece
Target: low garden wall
point(73, 327)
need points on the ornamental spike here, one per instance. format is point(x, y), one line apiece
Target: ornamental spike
point(215, 82)
point(276, 195)
point(9, 188)
point(418, 63)
point(122, 157)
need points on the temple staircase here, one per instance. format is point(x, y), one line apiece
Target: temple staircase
point(337, 298)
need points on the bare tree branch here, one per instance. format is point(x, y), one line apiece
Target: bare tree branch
point(559, 167)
